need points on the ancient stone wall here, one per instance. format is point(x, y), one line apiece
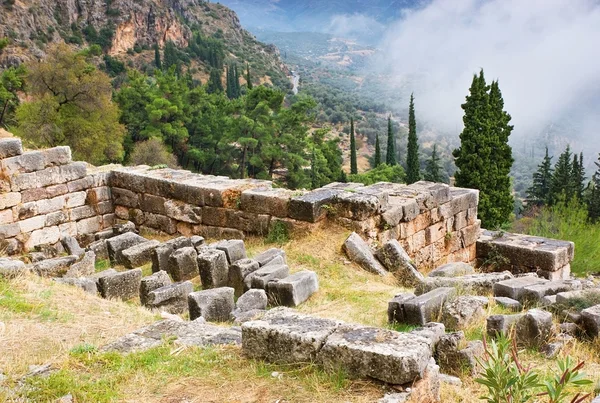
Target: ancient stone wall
point(44, 196)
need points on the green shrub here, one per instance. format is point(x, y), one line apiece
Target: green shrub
point(278, 233)
point(383, 173)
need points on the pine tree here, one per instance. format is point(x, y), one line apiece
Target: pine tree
point(562, 179)
point(157, 61)
point(390, 157)
point(413, 168)
point(539, 192)
point(377, 159)
point(248, 77)
point(484, 158)
point(432, 169)
point(214, 81)
point(594, 194)
point(353, 162)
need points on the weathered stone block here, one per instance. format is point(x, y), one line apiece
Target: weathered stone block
point(591, 320)
point(160, 222)
point(89, 225)
point(535, 293)
point(85, 267)
point(501, 324)
point(172, 298)
point(234, 249)
point(238, 271)
point(53, 267)
point(460, 312)
point(311, 206)
point(248, 222)
point(268, 201)
point(152, 204)
point(395, 259)
point(427, 307)
point(285, 336)
point(125, 197)
point(124, 285)
point(31, 224)
point(86, 284)
point(396, 307)
point(151, 283)
point(181, 211)
point(293, 290)
point(369, 352)
point(213, 305)
point(73, 171)
point(11, 268)
point(10, 147)
point(183, 264)
point(509, 303)
point(252, 300)
point(213, 267)
point(72, 246)
point(455, 269)
point(535, 328)
point(356, 206)
point(10, 199)
point(80, 184)
point(515, 287)
point(139, 255)
point(116, 245)
point(44, 236)
point(358, 251)
point(454, 359)
point(261, 277)
point(479, 283)
point(9, 230)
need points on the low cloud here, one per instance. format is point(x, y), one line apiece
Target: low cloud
point(545, 54)
point(355, 26)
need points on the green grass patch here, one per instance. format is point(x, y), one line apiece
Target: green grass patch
point(13, 302)
point(278, 233)
point(102, 264)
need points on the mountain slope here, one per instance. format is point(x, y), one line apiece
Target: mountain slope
point(128, 29)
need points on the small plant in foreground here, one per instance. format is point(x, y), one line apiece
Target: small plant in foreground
point(508, 381)
point(278, 233)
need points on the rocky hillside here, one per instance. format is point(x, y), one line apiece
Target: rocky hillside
point(128, 29)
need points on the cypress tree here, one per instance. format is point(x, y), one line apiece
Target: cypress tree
point(578, 176)
point(432, 169)
point(236, 82)
point(413, 169)
point(562, 179)
point(539, 192)
point(594, 194)
point(484, 158)
point(248, 77)
point(214, 81)
point(390, 157)
point(229, 82)
point(353, 162)
point(314, 180)
point(157, 61)
point(377, 159)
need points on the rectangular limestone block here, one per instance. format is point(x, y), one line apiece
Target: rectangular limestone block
point(160, 222)
point(214, 216)
point(356, 206)
point(89, 225)
point(268, 201)
point(460, 200)
point(250, 223)
point(10, 147)
point(152, 204)
point(44, 236)
point(427, 307)
point(57, 156)
point(130, 178)
point(73, 171)
point(213, 268)
point(294, 289)
point(524, 251)
point(29, 161)
point(182, 211)
point(286, 337)
point(312, 206)
point(9, 199)
point(516, 288)
point(33, 223)
point(57, 190)
point(125, 197)
point(6, 216)
point(80, 184)
point(123, 286)
point(139, 255)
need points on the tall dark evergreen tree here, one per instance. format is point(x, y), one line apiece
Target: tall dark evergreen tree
point(353, 161)
point(171, 57)
point(484, 158)
point(390, 156)
point(248, 77)
point(433, 171)
point(157, 61)
point(539, 192)
point(413, 166)
point(594, 194)
point(314, 178)
point(229, 82)
point(578, 176)
point(562, 179)
point(377, 159)
point(214, 81)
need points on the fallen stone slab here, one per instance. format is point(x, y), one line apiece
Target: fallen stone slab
point(285, 336)
point(535, 293)
point(194, 333)
point(11, 268)
point(480, 283)
point(104, 273)
point(86, 284)
point(369, 352)
point(359, 252)
point(139, 255)
point(151, 283)
point(501, 324)
point(400, 397)
point(426, 307)
point(454, 357)
point(100, 249)
point(183, 264)
point(293, 290)
point(261, 277)
point(456, 269)
point(590, 319)
point(395, 259)
point(432, 331)
point(311, 207)
point(213, 268)
point(162, 253)
point(172, 298)
point(72, 246)
point(117, 244)
point(238, 271)
point(214, 305)
point(462, 311)
point(254, 299)
point(508, 303)
point(119, 229)
point(515, 287)
point(234, 249)
point(240, 317)
point(267, 256)
point(85, 267)
point(54, 267)
point(396, 307)
point(534, 329)
point(581, 297)
point(124, 285)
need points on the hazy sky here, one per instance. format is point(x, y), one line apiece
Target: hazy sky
point(545, 54)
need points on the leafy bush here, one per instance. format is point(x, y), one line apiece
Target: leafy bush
point(383, 173)
point(507, 380)
point(152, 152)
point(278, 233)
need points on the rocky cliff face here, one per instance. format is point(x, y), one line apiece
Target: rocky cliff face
point(125, 25)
